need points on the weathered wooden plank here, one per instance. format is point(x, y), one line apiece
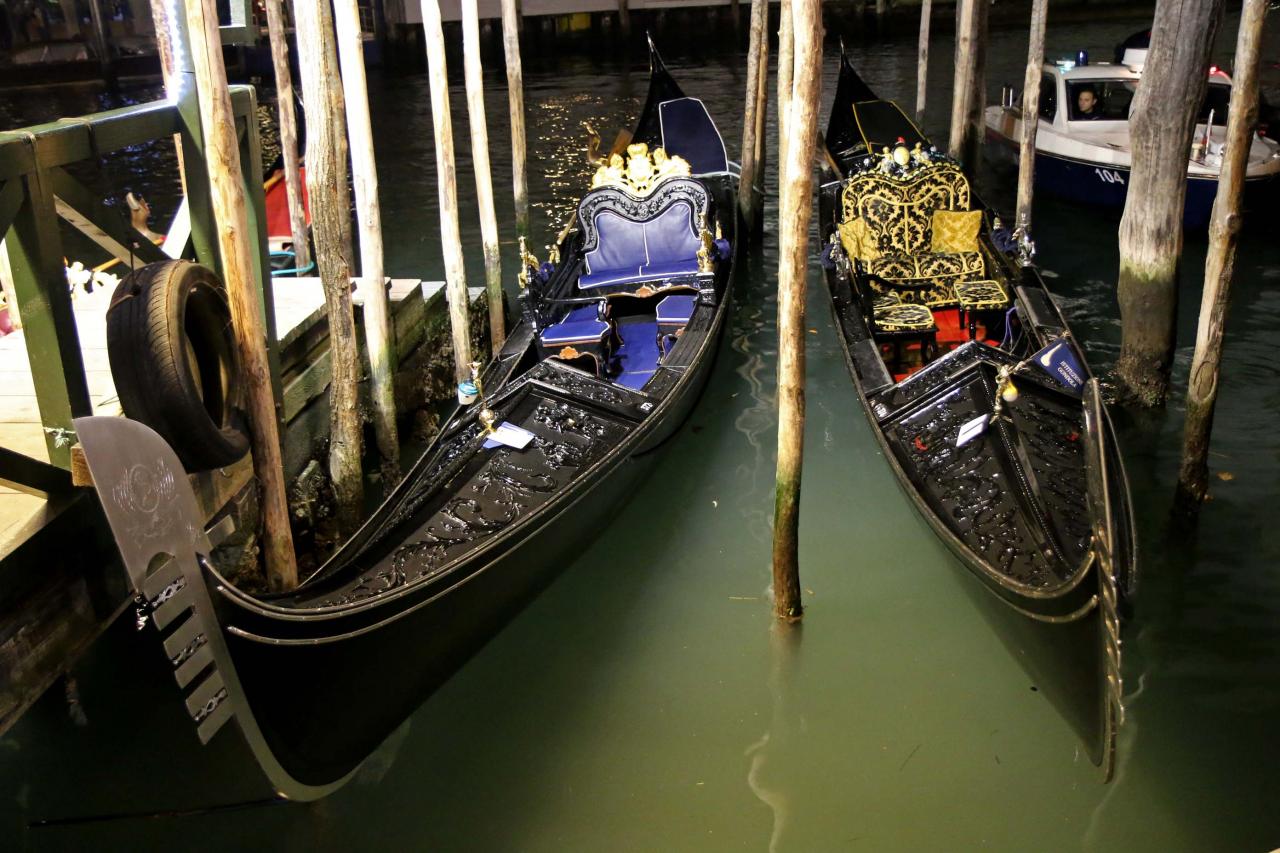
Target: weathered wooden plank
point(11, 197)
point(84, 210)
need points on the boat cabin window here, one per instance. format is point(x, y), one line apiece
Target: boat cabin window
point(1216, 99)
point(1048, 97)
point(1101, 100)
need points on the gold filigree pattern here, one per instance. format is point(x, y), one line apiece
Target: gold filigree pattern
point(903, 317)
point(981, 295)
point(641, 172)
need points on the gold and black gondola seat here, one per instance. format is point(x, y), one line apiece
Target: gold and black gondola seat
point(914, 235)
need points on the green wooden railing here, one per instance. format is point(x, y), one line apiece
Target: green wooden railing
point(34, 183)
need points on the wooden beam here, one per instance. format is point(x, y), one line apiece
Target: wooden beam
point(331, 224)
point(1161, 121)
point(235, 245)
point(288, 133)
point(1030, 114)
point(786, 73)
point(474, 76)
point(378, 336)
point(795, 211)
point(447, 183)
point(515, 106)
point(49, 328)
point(922, 61)
point(748, 173)
point(969, 97)
point(81, 208)
point(1220, 264)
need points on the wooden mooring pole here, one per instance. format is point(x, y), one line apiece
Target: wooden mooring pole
point(234, 243)
point(1030, 114)
point(795, 209)
point(447, 179)
point(1224, 237)
point(922, 63)
point(474, 76)
point(762, 124)
point(1161, 121)
point(331, 223)
point(968, 99)
point(786, 74)
point(288, 133)
point(748, 174)
point(379, 338)
point(515, 106)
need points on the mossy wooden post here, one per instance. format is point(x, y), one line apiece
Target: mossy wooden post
point(969, 96)
point(515, 106)
point(473, 73)
point(1161, 122)
point(288, 132)
point(235, 242)
point(1220, 264)
point(748, 174)
point(1030, 113)
point(379, 339)
point(795, 209)
point(786, 73)
point(922, 62)
point(331, 224)
point(455, 275)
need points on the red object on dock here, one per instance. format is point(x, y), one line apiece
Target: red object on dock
point(277, 202)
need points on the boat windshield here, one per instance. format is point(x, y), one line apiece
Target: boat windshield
point(1101, 100)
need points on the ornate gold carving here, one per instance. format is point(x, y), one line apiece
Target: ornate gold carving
point(569, 353)
point(641, 172)
point(594, 157)
point(528, 263)
point(707, 249)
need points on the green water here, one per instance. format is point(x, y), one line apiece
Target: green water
point(646, 701)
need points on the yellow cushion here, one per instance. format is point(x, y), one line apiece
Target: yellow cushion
point(956, 230)
point(858, 241)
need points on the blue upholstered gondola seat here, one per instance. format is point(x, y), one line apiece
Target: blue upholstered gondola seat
point(673, 315)
point(581, 325)
point(630, 251)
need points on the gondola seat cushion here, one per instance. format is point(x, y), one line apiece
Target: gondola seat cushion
point(630, 240)
point(927, 279)
point(582, 325)
point(899, 214)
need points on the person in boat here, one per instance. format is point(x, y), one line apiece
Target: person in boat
point(1088, 108)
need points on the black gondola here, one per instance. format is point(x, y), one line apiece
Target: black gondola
point(616, 344)
point(981, 400)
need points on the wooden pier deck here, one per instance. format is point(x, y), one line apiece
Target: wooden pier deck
point(299, 306)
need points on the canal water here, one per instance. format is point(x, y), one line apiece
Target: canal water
point(646, 700)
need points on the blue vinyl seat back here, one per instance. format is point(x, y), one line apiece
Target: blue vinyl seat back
point(671, 237)
point(630, 240)
point(687, 130)
point(620, 252)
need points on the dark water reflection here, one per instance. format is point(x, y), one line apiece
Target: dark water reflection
point(645, 702)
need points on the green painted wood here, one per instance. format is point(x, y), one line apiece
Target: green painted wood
point(113, 222)
point(49, 327)
point(17, 154)
point(11, 198)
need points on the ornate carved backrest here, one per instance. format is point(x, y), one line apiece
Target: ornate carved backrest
point(899, 210)
point(671, 193)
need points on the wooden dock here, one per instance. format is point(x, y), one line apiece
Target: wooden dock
point(299, 309)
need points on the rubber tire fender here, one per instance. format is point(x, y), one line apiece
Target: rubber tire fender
point(174, 361)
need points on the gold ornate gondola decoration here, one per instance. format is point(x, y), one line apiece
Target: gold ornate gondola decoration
point(641, 172)
point(707, 249)
point(528, 265)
